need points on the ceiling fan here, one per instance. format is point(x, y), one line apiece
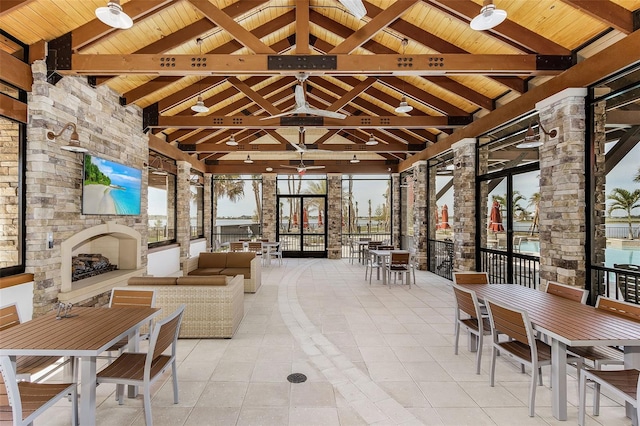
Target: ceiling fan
point(301, 168)
point(301, 145)
point(302, 106)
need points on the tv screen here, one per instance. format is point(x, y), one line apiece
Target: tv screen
point(110, 188)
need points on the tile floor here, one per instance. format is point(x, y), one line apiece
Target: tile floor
point(372, 355)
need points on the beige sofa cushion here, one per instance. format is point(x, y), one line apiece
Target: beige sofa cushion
point(206, 271)
point(237, 271)
point(239, 260)
point(212, 260)
point(152, 281)
point(212, 280)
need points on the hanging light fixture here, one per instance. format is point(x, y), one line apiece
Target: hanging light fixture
point(489, 17)
point(157, 170)
point(199, 106)
point(404, 107)
point(269, 169)
point(532, 140)
point(74, 140)
point(114, 16)
point(354, 160)
point(372, 141)
point(232, 141)
point(248, 160)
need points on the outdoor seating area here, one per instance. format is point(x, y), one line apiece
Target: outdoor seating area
point(388, 356)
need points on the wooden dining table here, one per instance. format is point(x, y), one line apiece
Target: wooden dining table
point(85, 335)
point(566, 323)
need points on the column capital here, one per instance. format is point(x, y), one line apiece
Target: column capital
point(571, 92)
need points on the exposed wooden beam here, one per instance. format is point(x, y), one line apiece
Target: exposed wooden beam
point(168, 150)
point(221, 122)
point(15, 72)
point(623, 117)
point(189, 92)
point(382, 20)
point(277, 136)
point(604, 63)
point(13, 108)
point(302, 27)
point(331, 166)
point(608, 12)
point(38, 51)
point(285, 146)
point(369, 65)
point(352, 94)
point(7, 6)
point(253, 95)
point(236, 30)
point(622, 147)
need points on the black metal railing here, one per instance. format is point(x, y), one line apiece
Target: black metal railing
point(310, 242)
point(374, 236)
point(615, 283)
point(441, 258)
point(220, 239)
point(526, 268)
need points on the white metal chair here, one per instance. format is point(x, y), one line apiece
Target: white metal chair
point(276, 251)
point(467, 305)
point(522, 344)
point(624, 384)
point(143, 369)
point(27, 400)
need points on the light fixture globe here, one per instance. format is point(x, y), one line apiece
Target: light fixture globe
point(248, 160)
point(372, 141)
point(354, 160)
point(232, 141)
point(269, 169)
point(531, 144)
point(74, 146)
point(488, 18)
point(113, 15)
point(199, 106)
point(404, 106)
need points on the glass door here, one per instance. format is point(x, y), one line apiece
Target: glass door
point(302, 230)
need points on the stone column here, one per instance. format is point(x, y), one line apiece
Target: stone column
point(395, 209)
point(562, 189)
point(269, 206)
point(432, 209)
point(420, 213)
point(599, 177)
point(464, 205)
point(183, 197)
point(207, 194)
point(333, 217)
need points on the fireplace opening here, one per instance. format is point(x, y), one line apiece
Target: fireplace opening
point(87, 265)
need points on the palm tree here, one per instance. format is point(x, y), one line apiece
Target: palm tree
point(534, 201)
point(626, 201)
point(637, 178)
point(230, 186)
point(255, 185)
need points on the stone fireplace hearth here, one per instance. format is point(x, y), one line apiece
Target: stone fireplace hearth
point(119, 243)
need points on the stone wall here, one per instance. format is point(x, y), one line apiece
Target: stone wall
point(600, 177)
point(54, 177)
point(9, 189)
point(464, 205)
point(269, 206)
point(420, 213)
point(183, 198)
point(563, 232)
point(334, 215)
point(208, 180)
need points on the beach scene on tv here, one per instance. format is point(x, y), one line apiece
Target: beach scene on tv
point(110, 188)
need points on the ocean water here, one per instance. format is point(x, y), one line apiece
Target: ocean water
point(127, 200)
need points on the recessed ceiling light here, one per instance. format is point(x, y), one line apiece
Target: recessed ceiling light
point(269, 169)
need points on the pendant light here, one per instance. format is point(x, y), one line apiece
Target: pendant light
point(232, 141)
point(372, 141)
point(74, 140)
point(114, 16)
point(199, 106)
point(248, 160)
point(488, 18)
point(354, 160)
point(404, 107)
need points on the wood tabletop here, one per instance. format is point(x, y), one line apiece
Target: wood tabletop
point(568, 321)
point(89, 333)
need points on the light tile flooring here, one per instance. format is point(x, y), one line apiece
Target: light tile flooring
point(372, 355)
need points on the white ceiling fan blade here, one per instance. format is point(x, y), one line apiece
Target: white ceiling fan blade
point(314, 167)
point(289, 167)
point(356, 7)
point(299, 96)
point(325, 113)
point(297, 147)
point(282, 114)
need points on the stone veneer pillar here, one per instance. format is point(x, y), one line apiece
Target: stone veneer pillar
point(269, 206)
point(562, 189)
point(432, 209)
point(464, 205)
point(600, 178)
point(54, 177)
point(395, 209)
point(333, 216)
point(208, 186)
point(183, 227)
point(420, 213)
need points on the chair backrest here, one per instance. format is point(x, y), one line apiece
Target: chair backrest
point(255, 247)
point(365, 239)
point(374, 244)
point(9, 316)
point(9, 393)
point(381, 247)
point(626, 309)
point(510, 321)
point(123, 297)
point(470, 278)
point(236, 246)
point(399, 258)
point(568, 292)
point(164, 334)
point(467, 302)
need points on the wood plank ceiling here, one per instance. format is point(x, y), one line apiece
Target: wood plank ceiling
point(423, 50)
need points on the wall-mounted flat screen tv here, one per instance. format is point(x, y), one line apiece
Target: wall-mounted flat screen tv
point(110, 188)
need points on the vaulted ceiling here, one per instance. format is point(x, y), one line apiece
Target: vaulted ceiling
point(252, 51)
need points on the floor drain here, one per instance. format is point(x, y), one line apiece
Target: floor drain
point(297, 378)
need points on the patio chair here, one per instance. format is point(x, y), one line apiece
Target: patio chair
point(413, 263)
point(628, 281)
point(236, 246)
point(370, 260)
point(398, 264)
point(28, 366)
point(568, 292)
point(22, 401)
point(522, 344)
point(623, 384)
point(126, 297)
point(467, 305)
point(470, 278)
point(276, 252)
point(256, 247)
point(143, 369)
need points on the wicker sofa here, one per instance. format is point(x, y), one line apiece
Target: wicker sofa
point(215, 304)
point(230, 263)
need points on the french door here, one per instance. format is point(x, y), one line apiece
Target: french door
point(302, 229)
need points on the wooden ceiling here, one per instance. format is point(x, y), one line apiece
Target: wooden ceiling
point(448, 72)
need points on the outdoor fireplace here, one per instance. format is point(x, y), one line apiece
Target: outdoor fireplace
point(87, 265)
